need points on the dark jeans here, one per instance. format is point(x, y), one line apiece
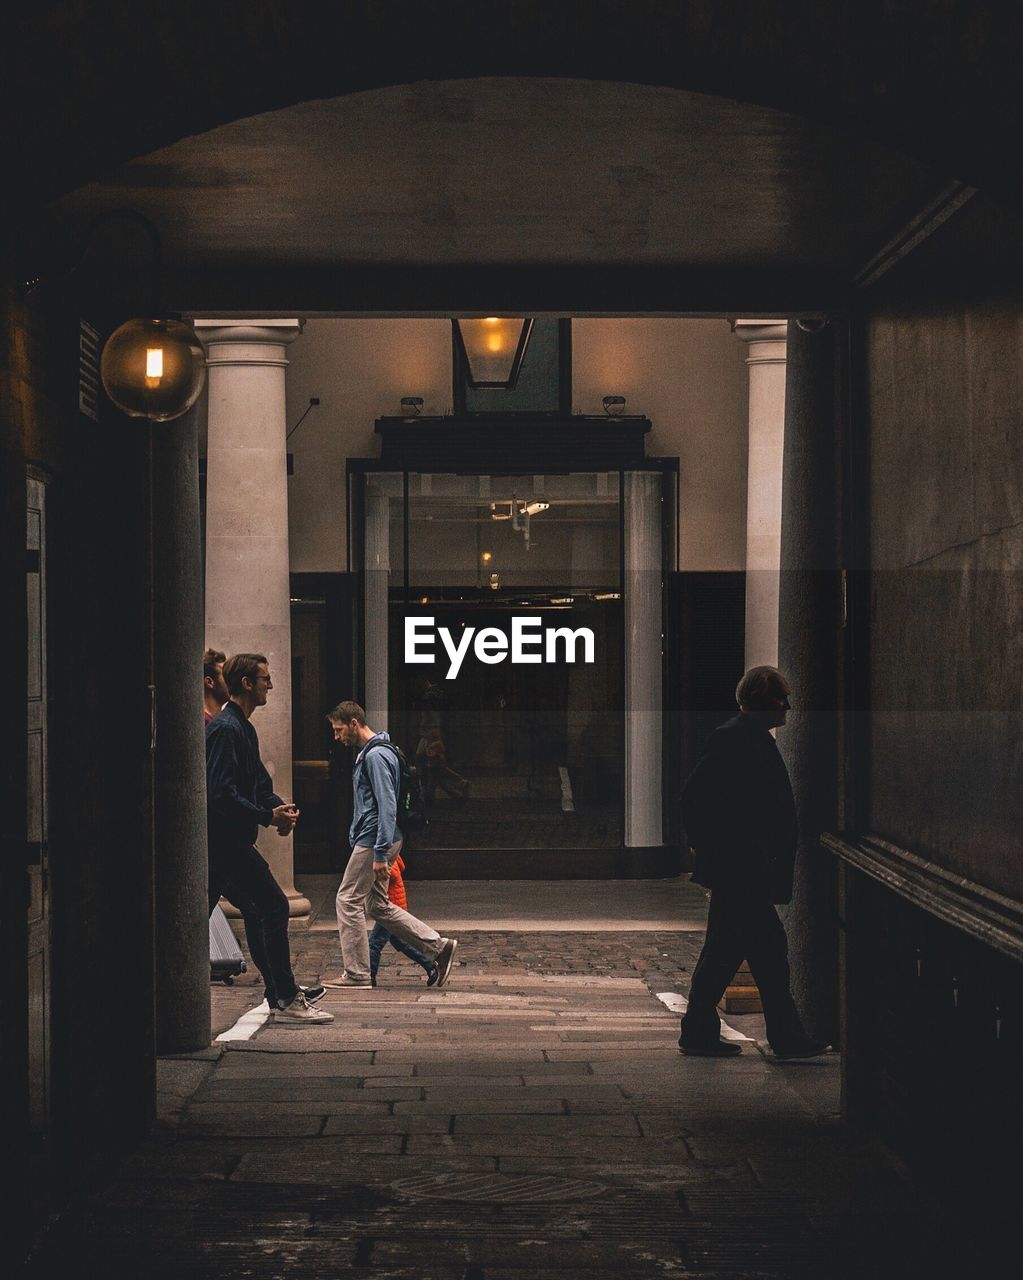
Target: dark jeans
point(243, 877)
point(742, 929)
point(378, 940)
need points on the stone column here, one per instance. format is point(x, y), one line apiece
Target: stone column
point(248, 595)
point(766, 362)
point(811, 622)
point(180, 909)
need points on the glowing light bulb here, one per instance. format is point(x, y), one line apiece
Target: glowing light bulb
point(154, 366)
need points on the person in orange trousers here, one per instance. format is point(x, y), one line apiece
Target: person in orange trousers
point(380, 937)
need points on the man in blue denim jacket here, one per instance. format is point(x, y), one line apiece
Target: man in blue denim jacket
point(376, 841)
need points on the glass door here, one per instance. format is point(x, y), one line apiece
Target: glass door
point(513, 646)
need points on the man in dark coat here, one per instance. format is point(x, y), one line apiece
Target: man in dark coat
point(239, 800)
point(740, 818)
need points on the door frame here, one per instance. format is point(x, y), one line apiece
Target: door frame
point(617, 861)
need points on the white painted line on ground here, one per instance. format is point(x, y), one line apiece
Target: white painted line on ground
point(247, 1025)
point(679, 1004)
point(567, 801)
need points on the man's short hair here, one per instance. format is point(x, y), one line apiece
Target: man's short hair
point(212, 659)
point(345, 712)
point(757, 686)
point(242, 666)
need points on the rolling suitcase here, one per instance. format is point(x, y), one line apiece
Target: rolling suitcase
point(226, 960)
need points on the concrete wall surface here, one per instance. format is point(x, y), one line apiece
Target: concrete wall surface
point(945, 392)
point(688, 376)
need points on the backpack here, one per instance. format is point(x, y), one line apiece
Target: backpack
point(411, 800)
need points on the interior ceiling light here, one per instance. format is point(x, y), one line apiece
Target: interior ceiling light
point(492, 350)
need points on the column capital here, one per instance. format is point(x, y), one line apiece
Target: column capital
point(766, 339)
point(244, 341)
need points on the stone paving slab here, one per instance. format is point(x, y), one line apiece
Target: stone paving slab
point(323, 1088)
point(533, 1120)
point(231, 1112)
point(250, 1066)
point(402, 1124)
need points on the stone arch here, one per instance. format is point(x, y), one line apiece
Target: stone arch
point(88, 88)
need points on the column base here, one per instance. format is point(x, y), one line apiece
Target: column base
point(299, 906)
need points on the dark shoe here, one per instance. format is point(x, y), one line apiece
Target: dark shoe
point(444, 958)
point(716, 1049)
point(804, 1049)
point(432, 976)
point(373, 980)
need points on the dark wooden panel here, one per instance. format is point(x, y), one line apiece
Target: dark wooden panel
point(706, 641)
point(512, 443)
point(321, 840)
point(935, 1048)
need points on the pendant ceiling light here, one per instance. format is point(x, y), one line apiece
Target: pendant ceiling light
point(492, 350)
point(153, 368)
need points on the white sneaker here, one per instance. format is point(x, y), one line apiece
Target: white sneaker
point(346, 980)
point(300, 1013)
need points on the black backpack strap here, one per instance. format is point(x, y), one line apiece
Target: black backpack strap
point(397, 756)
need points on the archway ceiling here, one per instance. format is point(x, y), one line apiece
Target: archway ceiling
point(473, 193)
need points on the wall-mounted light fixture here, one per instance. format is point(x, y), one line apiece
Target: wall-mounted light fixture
point(152, 367)
point(534, 508)
point(411, 406)
point(492, 349)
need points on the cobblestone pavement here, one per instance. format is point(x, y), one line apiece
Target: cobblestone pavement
point(532, 1119)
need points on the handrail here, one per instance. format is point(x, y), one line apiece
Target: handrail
point(982, 913)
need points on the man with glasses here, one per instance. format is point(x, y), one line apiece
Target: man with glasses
point(239, 799)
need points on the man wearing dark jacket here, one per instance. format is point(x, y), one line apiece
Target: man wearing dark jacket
point(239, 799)
point(740, 818)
